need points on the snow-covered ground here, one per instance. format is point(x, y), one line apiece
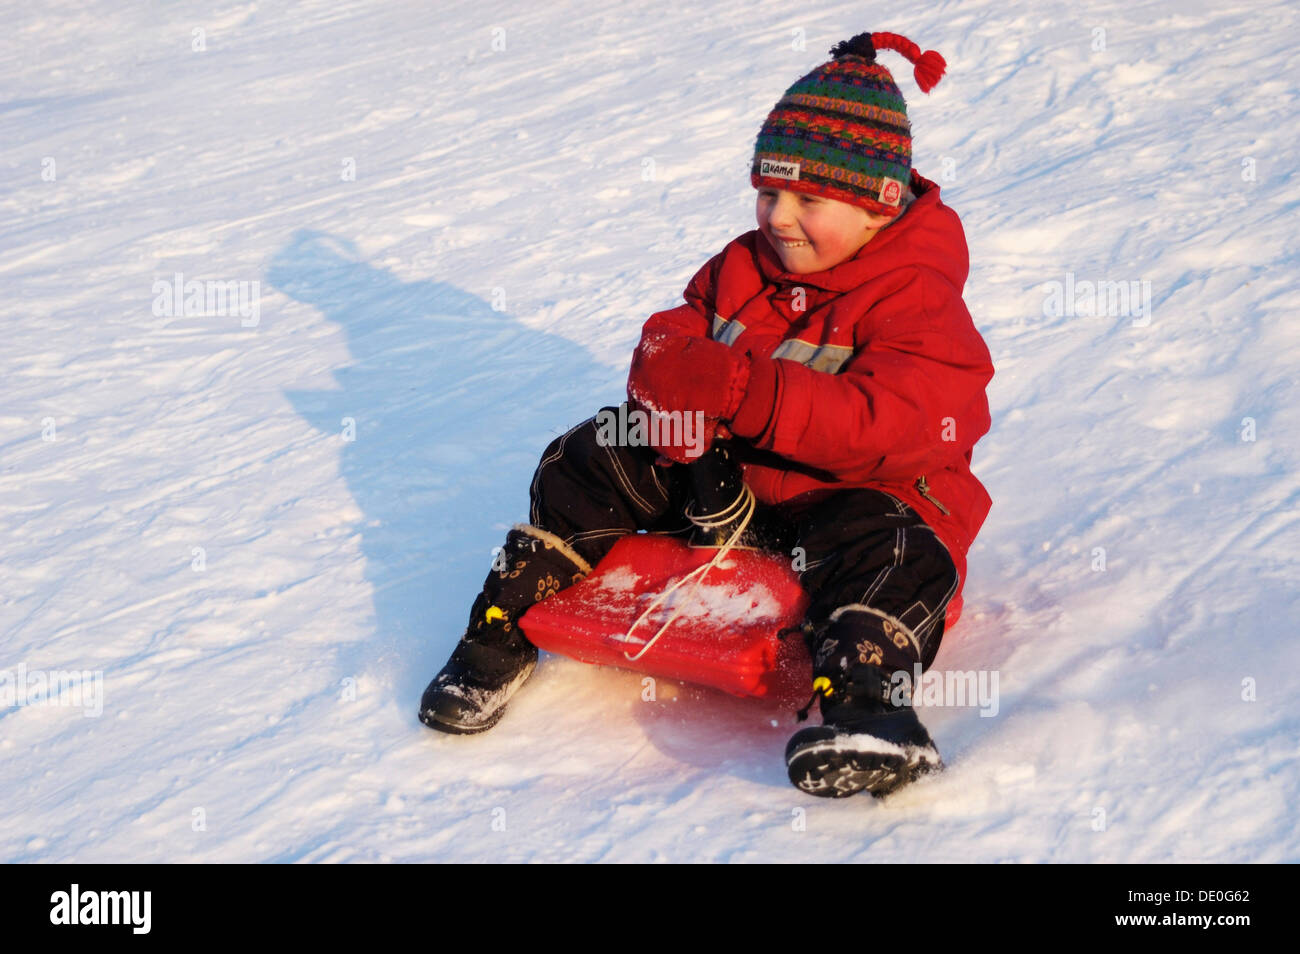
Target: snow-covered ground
point(265, 529)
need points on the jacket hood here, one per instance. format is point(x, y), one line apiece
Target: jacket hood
point(928, 234)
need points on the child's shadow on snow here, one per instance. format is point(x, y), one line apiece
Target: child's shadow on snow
point(442, 408)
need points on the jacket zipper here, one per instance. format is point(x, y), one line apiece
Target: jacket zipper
point(924, 487)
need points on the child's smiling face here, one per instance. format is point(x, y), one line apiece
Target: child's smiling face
point(812, 233)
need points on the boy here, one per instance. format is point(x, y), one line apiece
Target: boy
point(832, 355)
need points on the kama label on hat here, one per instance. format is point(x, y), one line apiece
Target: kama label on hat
point(778, 170)
point(891, 191)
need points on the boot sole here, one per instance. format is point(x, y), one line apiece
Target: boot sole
point(455, 728)
point(827, 770)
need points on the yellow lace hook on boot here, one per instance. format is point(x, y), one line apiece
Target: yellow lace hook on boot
point(820, 684)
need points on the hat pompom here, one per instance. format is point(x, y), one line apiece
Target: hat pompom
point(929, 65)
point(929, 68)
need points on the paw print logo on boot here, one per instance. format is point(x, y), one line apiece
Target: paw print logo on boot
point(512, 573)
point(896, 635)
point(869, 653)
point(548, 585)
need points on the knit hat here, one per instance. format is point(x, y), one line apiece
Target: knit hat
point(842, 131)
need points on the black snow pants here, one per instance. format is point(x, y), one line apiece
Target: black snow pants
point(863, 553)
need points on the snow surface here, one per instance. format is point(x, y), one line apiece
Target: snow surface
point(266, 599)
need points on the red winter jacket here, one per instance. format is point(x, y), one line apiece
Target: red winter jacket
point(878, 381)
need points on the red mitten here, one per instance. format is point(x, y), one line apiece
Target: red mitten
point(684, 453)
point(687, 374)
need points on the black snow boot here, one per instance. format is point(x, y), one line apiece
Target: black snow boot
point(870, 738)
point(494, 658)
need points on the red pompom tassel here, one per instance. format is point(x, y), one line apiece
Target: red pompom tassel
point(929, 65)
point(929, 68)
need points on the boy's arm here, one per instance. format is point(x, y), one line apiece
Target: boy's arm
point(910, 400)
point(678, 367)
point(695, 317)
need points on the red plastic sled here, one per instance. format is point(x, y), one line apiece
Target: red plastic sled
point(724, 634)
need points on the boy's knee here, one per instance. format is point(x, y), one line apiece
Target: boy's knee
point(582, 443)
